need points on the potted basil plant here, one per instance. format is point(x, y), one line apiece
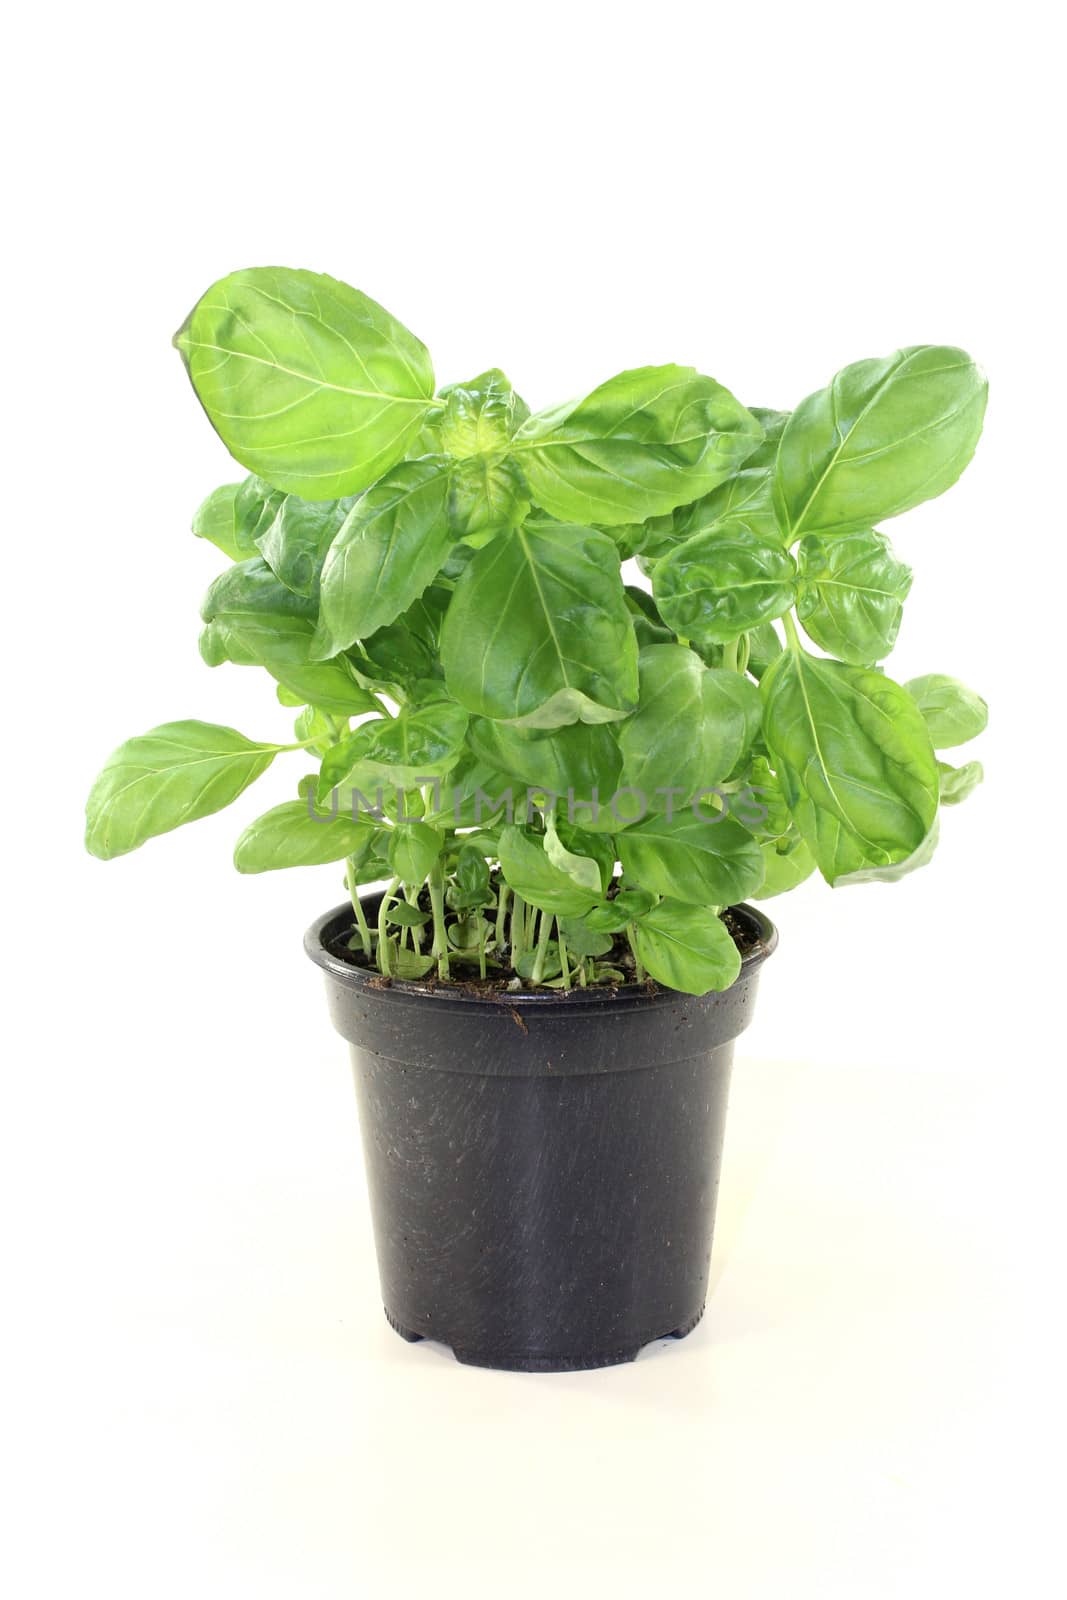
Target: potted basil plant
point(567, 783)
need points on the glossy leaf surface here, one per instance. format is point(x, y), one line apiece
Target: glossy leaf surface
point(721, 583)
point(687, 947)
point(855, 763)
point(538, 632)
point(851, 594)
point(882, 437)
point(644, 442)
point(176, 773)
point(308, 382)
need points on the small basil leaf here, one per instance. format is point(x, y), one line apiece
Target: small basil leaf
point(527, 869)
point(959, 782)
point(687, 947)
point(413, 849)
point(952, 712)
point(851, 594)
point(719, 584)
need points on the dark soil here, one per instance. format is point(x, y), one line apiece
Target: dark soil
point(499, 982)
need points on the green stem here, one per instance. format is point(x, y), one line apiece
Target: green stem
point(542, 948)
point(583, 981)
point(518, 929)
point(501, 914)
point(792, 637)
point(361, 920)
point(383, 929)
point(411, 895)
point(639, 972)
point(564, 968)
point(437, 906)
point(483, 935)
point(729, 655)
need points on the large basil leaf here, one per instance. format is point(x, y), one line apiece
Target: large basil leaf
point(693, 725)
point(402, 751)
point(718, 584)
point(851, 594)
point(538, 632)
point(773, 424)
point(952, 712)
point(528, 870)
point(254, 620)
point(882, 437)
point(307, 381)
point(389, 549)
point(173, 774)
point(855, 764)
point(687, 947)
point(295, 544)
point(708, 859)
point(288, 836)
point(644, 442)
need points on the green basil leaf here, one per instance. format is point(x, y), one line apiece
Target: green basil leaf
point(745, 499)
point(388, 550)
point(952, 712)
point(687, 947)
point(294, 546)
point(582, 869)
point(959, 782)
point(707, 860)
point(401, 915)
point(718, 584)
point(612, 916)
point(471, 887)
point(401, 751)
point(287, 836)
point(855, 762)
point(692, 727)
point(252, 619)
point(480, 416)
point(234, 516)
point(649, 626)
point(773, 424)
point(578, 763)
point(530, 872)
point(216, 520)
point(538, 632)
point(763, 646)
point(486, 494)
point(582, 940)
point(405, 652)
point(882, 437)
point(307, 381)
point(413, 849)
point(644, 442)
point(784, 868)
point(175, 773)
point(851, 594)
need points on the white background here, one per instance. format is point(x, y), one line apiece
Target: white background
point(204, 1397)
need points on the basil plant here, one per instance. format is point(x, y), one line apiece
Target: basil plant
point(562, 777)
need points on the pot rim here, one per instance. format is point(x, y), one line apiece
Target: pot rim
point(326, 928)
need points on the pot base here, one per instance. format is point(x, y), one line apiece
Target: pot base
point(517, 1361)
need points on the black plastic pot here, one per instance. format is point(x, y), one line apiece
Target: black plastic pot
point(542, 1167)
